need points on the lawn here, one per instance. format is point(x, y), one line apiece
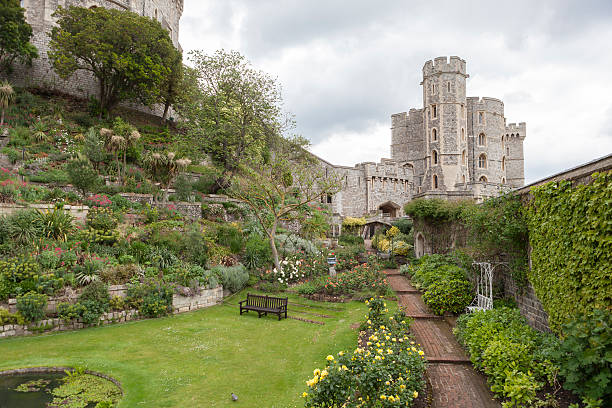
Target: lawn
point(198, 359)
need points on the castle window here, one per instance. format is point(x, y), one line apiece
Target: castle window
point(517, 135)
point(434, 135)
point(434, 157)
point(155, 14)
point(463, 179)
point(503, 180)
point(482, 161)
point(433, 88)
point(462, 110)
point(481, 118)
point(329, 198)
point(448, 86)
point(434, 111)
point(503, 163)
point(435, 181)
point(463, 158)
point(462, 134)
point(483, 179)
point(482, 139)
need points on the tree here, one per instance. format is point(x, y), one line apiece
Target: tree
point(129, 55)
point(94, 148)
point(172, 85)
point(234, 111)
point(279, 189)
point(164, 167)
point(14, 36)
point(7, 95)
point(82, 175)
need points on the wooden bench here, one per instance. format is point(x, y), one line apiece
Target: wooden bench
point(264, 305)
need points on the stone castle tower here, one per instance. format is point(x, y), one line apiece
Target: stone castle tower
point(39, 16)
point(454, 147)
point(457, 145)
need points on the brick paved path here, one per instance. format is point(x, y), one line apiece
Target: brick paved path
point(453, 380)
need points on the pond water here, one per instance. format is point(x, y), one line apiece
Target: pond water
point(9, 398)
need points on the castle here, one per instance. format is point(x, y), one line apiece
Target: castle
point(82, 84)
point(455, 147)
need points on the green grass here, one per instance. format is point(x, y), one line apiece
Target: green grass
point(198, 359)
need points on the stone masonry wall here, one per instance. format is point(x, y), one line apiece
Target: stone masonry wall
point(180, 304)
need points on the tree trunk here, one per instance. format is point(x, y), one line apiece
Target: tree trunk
point(118, 169)
point(220, 183)
point(271, 235)
point(166, 109)
point(2, 118)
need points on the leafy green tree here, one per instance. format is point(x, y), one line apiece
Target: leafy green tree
point(14, 36)
point(82, 175)
point(129, 55)
point(172, 85)
point(279, 189)
point(234, 112)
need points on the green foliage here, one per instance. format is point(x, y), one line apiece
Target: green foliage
point(257, 253)
point(82, 175)
point(291, 244)
point(362, 278)
point(69, 312)
point(432, 268)
point(32, 306)
point(585, 356)
point(56, 224)
point(387, 376)
point(232, 278)
point(94, 147)
point(152, 298)
point(348, 256)
point(10, 318)
point(101, 218)
point(348, 239)
point(569, 232)
point(230, 236)
point(404, 225)
point(15, 36)
point(515, 358)
point(498, 227)
point(23, 227)
point(80, 390)
point(436, 209)
point(449, 295)
point(183, 188)
point(130, 55)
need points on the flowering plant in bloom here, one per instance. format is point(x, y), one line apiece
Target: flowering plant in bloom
point(98, 200)
point(289, 272)
point(386, 371)
point(360, 278)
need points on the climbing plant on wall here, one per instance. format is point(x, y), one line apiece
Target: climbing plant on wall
point(570, 232)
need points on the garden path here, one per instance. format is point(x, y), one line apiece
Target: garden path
point(454, 382)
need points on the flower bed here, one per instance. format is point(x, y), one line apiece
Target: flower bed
point(385, 370)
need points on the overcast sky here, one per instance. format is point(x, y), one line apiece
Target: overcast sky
point(346, 66)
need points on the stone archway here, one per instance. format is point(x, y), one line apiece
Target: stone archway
point(389, 209)
point(419, 247)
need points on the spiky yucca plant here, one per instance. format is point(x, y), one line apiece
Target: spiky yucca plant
point(7, 96)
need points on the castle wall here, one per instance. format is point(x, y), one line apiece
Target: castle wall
point(82, 84)
point(515, 167)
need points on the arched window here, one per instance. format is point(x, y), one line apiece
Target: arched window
point(503, 180)
point(462, 134)
point(434, 135)
point(463, 158)
point(482, 161)
point(155, 14)
point(482, 139)
point(434, 157)
point(463, 179)
point(503, 163)
point(435, 181)
point(483, 179)
point(434, 111)
point(448, 86)
point(512, 135)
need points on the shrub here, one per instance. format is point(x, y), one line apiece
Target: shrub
point(348, 239)
point(152, 298)
point(56, 224)
point(230, 236)
point(388, 376)
point(119, 274)
point(196, 248)
point(96, 292)
point(10, 318)
point(183, 188)
point(101, 218)
point(257, 253)
point(347, 257)
point(69, 312)
point(32, 306)
point(82, 175)
point(512, 354)
point(361, 278)
point(452, 295)
point(23, 227)
point(584, 357)
point(117, 303)
point(232, 278)
point(404, 225)
point(294, 243)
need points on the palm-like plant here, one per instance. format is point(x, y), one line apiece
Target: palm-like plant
point(114, 144)
point(7, 96)
point(38, 131)
point(130, 141)
point(164, 168)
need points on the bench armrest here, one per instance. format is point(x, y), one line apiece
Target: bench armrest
point(241, 302)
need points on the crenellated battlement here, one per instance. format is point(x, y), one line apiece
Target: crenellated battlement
point(485, 103)
point(516, 130)
point(453, 65)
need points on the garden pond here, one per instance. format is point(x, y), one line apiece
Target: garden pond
point(39, 385)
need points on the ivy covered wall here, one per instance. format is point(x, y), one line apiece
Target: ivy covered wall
point(570, 233)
